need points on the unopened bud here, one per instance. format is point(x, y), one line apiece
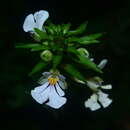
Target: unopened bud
point(83, 52)
point(46, 55)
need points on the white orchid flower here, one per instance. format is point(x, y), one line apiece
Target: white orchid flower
point(98, 98)
point(50, 92)
point(35, 21)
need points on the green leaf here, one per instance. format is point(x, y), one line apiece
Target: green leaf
point(38, 67)
point(74, 72)
point(72, 39)
point(90, 39)
point(65, 28)
point(39, 48)
point(88, 63)
point(84, 60)
point(51, 28)
point(30, 45)
point(85, 42)
point(79, 30)
point(82, 40)
point(58, 29)
point(72, 50)
point(92, 36)
point(43, 35)
point(57, 60)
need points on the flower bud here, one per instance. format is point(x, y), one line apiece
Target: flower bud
point(83, 52)
point(46, 55)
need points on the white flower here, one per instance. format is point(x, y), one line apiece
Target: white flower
point(98, 97)
point(93, 104)
point(103, 99)
point(35, 21)
point(50, 92)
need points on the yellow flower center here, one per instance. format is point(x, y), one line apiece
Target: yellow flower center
point(52, 81)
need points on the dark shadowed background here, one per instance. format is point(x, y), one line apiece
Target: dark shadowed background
point(18, 111)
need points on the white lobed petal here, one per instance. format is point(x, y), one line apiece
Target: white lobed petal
point(41, 93)
point(103, 99)
point(109, 86)
point(59, 90)
point(103, 63)
point(92, 103)
point(55, 101)
point(29, 23)
point(40, 18)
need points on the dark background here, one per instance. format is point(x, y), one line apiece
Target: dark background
point(17, 109)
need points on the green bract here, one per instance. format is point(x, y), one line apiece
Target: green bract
point(64, 49)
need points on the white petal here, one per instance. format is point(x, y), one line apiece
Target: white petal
point(62, 77)
point(102, 95)
point(104, 100)
point(59, 90)
point(55, 101)
point(92, 103)
point(40, 94)
point(42, 80)
point(41, 88)
point(29, 23)
point(103, 63)
point(63, 84)
point(109, 86)
point(46, 74)
point(40, 17)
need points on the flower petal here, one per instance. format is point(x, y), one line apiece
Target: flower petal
point(103, 63)
point(40, 94)
point(29, 24)
point(42, 80)
point(41, 88)
point(109, 86)
point(92, 103)
point(104, 100)
point(61, 77)
point(55, 101)
point(59, 90)
point(40, 17)
point(101, 94)
point(46, 74)
point(62, 84)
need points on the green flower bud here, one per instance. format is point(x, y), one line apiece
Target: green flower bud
point(83, 52)
point(46, 55)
